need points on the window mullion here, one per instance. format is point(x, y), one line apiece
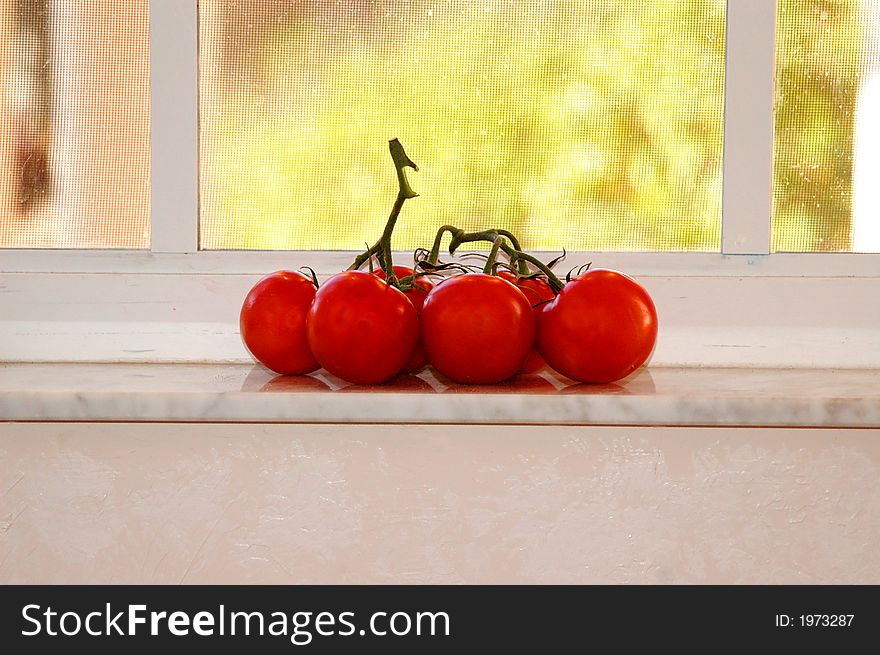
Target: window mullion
point(174, 125)
point(748, 126)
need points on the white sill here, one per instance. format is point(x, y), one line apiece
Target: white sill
point(250, 394)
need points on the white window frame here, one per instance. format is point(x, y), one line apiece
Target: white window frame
point(744, 306)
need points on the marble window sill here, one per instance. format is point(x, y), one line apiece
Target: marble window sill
point(250, 394)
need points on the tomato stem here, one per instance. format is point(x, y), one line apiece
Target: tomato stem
point(382, 248)
point(459, 237)
point(555, 283)
point(489, 268)
point(497, 237)
point(492, 236)
point(517, 257)
point(522, 267)
point(385, 240)
point(434, 255)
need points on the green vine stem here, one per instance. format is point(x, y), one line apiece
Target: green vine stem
point(522, 267)
point(469, 237)
point(459, 237)
point(434, 254)
point(492, 236)
point(555, 283)
point(382, 248)
point(517, 257)
point(489, 268)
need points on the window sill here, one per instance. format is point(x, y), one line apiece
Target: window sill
point(658, 396)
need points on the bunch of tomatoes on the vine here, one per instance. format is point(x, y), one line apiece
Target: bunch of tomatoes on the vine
point(473, 326)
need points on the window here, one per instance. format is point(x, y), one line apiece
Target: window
point(827, 101)
point(134, 173)
point(74, 124)
point(589, 125)
point(593, 125)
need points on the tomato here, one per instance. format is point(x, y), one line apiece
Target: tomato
point(477, 328)
point(536, 289)
point(422, 285)
point(362, 329)
point(601, 327)
point(416, 295)
point(417, 361)
point(538, 292)
point(273, 322)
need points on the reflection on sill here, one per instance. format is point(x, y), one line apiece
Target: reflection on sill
point(429, 380)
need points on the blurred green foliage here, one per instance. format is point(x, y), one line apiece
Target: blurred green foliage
point(818, 71)
point(586, 125)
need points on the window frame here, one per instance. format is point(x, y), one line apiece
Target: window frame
point(174, 258)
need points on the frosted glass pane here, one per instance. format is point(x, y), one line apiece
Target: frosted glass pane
point(74, 124)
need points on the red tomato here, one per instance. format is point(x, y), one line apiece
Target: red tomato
point(537, 290)
point(361, 329)
point(416, 296)
point(273, 322)
point(533, 362)
point(477, 328)
point(601, 327)
point(420, 289)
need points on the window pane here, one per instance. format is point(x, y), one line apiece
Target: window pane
point(583, 124)
point(827, 147)
point(74, 124)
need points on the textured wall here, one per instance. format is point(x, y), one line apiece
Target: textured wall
point(186, 503)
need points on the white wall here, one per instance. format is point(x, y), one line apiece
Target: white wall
point(170, 503)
